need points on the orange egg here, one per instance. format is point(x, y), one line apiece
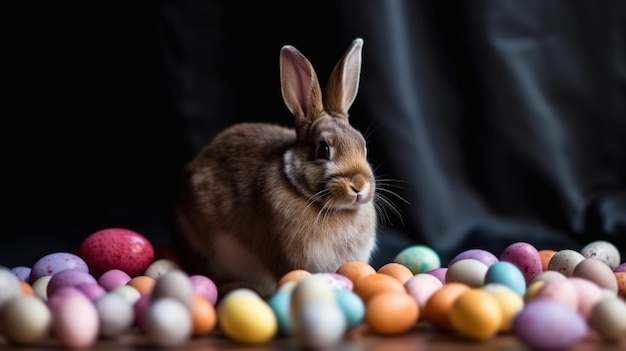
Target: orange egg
point(376, 283)
point(27, 289)
point(355, 270)
point(545, 256)
point(203, 315)
point(391, 313)
point(292, 276)
point(397, 270)
point(437, 308)
point(621, 283)
point(143, 283)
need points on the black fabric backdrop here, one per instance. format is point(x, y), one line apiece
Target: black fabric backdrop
point(499, 121)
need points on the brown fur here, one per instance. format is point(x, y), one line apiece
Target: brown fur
point(250, 210)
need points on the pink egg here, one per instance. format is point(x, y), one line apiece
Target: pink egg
point(68, 277)
point(92, 290)
point(117, 248)
point(76, 322)
point(421, 286)
point(562, 290)
point(525, 257)
point(140, 307)
point(204, 286)
point(113, 278)
point(62, 294)
point(588, 294)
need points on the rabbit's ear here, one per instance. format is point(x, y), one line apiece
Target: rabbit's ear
point(343, 82)
point(300, 87)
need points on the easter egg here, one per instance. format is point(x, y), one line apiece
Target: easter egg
point(167, 322)
point(604, 251)
point(506, 273)
point(467, 271)
point(55, 262)
point(280, 303)
point(351, 305)
point(203, 315)
point(608, 318)
point(481, 255)
point(9, 285)
point(113, 278)
point(25, 320)
point(204, 286)
point(396, 270)
point(116, 248)
point(564, 261)
point(476, 314)
point(22, 272)
point(320, 324)
point(355, 270)
point(421, 287)
point(526, 257)
point(438, 306)
point(391, 313)
point(68, 277)
point(116, 314)
point(75, 322)
point(246, 318)
point(373, 284)
point(548, 324)
point(418, 258)
point(596, 271)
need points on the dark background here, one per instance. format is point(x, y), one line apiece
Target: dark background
point(502, 121)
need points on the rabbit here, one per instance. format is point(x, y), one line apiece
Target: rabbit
point(260, 200)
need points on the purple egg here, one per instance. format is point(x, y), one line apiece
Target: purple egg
point(68, 278)
point(547, 324)
point(481, 255)
point(620, 268)
point(56, 262)
point(92, 290)
point(204, 286)
point(440, 273)
point(22, 272)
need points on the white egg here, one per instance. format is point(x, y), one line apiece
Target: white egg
point(25, 319)
point(167, 322)
point(116, 314)
point(320, 324)
point(128, 292)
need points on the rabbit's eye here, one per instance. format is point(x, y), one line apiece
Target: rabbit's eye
point(323, 150)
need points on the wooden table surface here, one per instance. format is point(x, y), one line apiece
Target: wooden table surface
point(422, 337)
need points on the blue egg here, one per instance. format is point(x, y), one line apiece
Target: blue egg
point(508, 274)
point(280, 304)
point(351, 305)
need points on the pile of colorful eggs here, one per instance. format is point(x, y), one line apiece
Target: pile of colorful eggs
point(115, 284)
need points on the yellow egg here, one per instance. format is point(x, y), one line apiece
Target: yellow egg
point(510, 302)
point(476, 314)
point(245, 317)
point(532, 289)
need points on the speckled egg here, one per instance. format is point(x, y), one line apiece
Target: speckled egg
point(69, 278)
point(419, 258)
point(55, 262)
point(526, 257)
point(116, 248)
point(604, 251)
point(564, 261)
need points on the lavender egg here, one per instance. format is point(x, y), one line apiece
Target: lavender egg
point(481, 255)
point(546, 324)
point(56, 262)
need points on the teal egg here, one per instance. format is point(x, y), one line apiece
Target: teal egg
point(351, 305)
point(419, 258)
point(280, 302)
point(508, 274)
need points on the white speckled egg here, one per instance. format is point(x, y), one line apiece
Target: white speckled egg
point(604, 251)
point(564, 261)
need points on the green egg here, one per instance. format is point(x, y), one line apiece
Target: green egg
point(419, 258)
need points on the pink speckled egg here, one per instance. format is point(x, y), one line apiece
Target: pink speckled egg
point(117, 248)
point(526, 257)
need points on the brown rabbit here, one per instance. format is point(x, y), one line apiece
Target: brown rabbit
point(261, 199)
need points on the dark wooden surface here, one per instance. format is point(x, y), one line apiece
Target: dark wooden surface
point(422, 337)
